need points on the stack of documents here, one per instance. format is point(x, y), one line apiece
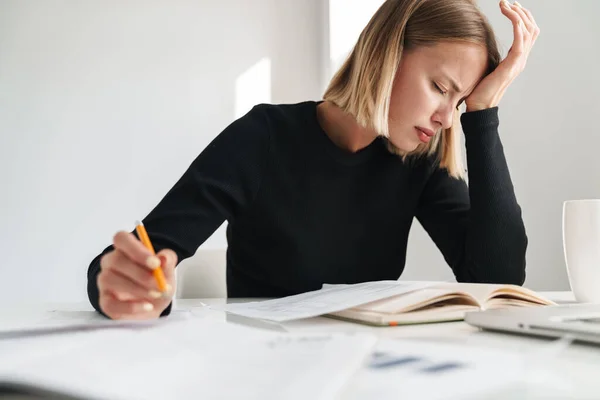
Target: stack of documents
point(329, 299)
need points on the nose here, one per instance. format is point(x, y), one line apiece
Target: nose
point(444, 116)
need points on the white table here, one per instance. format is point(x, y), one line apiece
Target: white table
point(580, 362)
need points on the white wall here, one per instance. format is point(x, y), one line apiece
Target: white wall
point(103, 105)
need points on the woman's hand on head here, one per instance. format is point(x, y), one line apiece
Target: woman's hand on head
point(126, 284)
point(490, 90)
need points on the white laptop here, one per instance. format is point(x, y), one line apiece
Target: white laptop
point(579, 321)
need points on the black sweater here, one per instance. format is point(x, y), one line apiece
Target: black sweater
point(302, 212)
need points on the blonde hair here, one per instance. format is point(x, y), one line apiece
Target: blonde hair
point(362, 86)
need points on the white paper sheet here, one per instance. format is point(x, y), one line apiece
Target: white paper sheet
point(329, 299)
point(194, 359)
point(54, 321)
point(413, 369)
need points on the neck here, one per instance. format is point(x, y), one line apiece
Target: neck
point(342, 128)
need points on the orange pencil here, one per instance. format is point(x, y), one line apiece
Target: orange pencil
point(157, 272)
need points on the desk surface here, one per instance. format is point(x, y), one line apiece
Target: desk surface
point(580, 362)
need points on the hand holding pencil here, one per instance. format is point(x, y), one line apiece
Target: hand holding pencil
point(134, 281)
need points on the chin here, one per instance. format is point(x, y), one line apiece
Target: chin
point(402, 149)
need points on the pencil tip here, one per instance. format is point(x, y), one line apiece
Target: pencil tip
point(138, 223)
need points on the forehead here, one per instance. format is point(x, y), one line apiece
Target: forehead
point(463, 61)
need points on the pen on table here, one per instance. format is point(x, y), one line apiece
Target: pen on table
point(157, 272)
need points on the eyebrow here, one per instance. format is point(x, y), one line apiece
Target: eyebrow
point(453, 83)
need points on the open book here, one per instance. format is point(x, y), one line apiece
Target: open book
point(441, 302)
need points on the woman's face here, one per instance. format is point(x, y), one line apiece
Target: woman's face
point(430, 84)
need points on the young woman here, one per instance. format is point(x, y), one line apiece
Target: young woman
point(326, 191)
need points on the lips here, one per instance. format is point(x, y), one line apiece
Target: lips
point(424, 135)
point(426, 131)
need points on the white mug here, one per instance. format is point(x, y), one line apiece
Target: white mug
point(581, 245)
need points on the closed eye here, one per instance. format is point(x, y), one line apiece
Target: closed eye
point(444, 92)
point(439, 89)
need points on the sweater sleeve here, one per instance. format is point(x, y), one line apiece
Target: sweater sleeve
point(478, 228)
point(222, 181)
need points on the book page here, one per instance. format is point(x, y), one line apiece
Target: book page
point(487, 293)
point(417, 300)
point(330, 298)
point(517, 296)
